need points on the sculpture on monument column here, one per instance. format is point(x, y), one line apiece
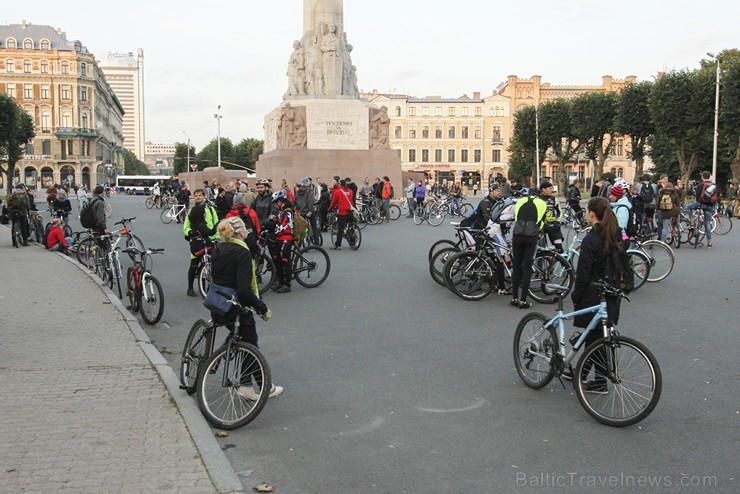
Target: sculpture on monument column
point(346, 71)
point(296, 71)
point(380, 129)
point(291, 129)
point(332, 62)
point(314, 66)
point(353, 81)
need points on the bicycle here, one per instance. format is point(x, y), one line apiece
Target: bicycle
point(721, 225)
point(161, 201)
point(432, 212)
point(698, 231)
point(106, 262)
point(144, 291)
point(311, 265)
point(627, 380)
point(35, 226)
point(16, 232)
point(83, 252)
point(174, 212)
point(218, 375)
point(351, 232)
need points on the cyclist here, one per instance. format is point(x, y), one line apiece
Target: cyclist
point(409, 191)
point(183, 199)
point(157, 194)
point(456, 195)
point(706, 198)
point(420, 194)
point(622, 208)
point(668, 208)
point(250, 219)
point(62, 205)
point(644, 200)
point(341, 199)
point(55, 240)
point(573, 198)
point(552, 225)
point(81, 197)
point(488, 216)
point(232, 267)
point(306, 205)
point(18, 208)
point(97, 203)
point(197, 234)
point(529, 218)
point(280, 244)
point(262, 204)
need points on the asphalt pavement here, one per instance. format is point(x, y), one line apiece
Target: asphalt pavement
point(394, 385)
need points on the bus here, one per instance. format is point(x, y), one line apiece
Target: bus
point(138, 184)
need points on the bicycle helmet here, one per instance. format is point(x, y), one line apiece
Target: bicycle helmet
point(620, 182)
point(280, 194)
point(263, 181)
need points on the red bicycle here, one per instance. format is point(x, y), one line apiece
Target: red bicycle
point(144, 291)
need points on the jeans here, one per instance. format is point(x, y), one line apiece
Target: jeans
point(387, 209)
point(412, 205)
point(314, 220)
point(708, 213)
point(455, 206)
point(666, 230)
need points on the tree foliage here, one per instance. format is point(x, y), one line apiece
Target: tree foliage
point(634, 121)
point(133, 165)
point(523, 146)
point(556, 124)
point(208, 156)
point(181, 157)
point(593, 119)
point(16, 130)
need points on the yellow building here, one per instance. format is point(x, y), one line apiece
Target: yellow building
point(77, 116)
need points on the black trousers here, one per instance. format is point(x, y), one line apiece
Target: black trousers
point(280, 250)
point(22, 222)
point(341, 225)
point(523, 249)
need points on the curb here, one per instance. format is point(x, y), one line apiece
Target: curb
point(219, 468)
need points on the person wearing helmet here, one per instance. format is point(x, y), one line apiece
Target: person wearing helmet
point(280, 242)
point(262, 203)
point(18, 207)
point(341, 199)
point(622, 208)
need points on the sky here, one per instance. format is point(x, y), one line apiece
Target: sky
point(201, 54)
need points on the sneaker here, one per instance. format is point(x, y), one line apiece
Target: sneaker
point(597, 387)
point(191, 293)
point(275, 391)
point(247, 392)
point(276, 287)
point(335, 247)
point(524, 304)
point(504, 291)
point(283, 289)
point(514, 302)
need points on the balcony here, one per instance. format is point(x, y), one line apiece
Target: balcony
point(497, 139)
point(67, 158)
point(67, 132)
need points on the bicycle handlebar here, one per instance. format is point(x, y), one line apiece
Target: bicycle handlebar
point(234, 300)
point(124, 221)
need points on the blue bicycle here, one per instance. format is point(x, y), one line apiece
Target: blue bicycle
point(617, 379)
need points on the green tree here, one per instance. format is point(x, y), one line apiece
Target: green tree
point(594, 115)
point(633, 120)
point(133, 165)
point(247, 152)
point(729, 116)
point(181, 158)
point(556, 124)
point(16, 130)
point(208, 156)
point(523, 147)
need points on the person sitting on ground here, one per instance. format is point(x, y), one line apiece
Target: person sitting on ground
point(55, 240)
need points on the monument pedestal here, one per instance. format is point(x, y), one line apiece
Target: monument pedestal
point(293, 164)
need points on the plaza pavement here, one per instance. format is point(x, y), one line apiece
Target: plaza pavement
point(88, 403)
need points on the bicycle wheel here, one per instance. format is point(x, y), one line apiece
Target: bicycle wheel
point(373, 215)
point(394, 212)
point(640, 266)
point(204, 279)
point(534, 347)
point(115, 276)
point(436, 216)
point(311, 266)
point(469, 275)
point(108, 210)
point(151, 299)
point(619, 381)
point(354, 236)
point(550, 268)
point(265, 271)
point(16, 235)
point(149, 202)
point(442, 244)
point(194, 353)
point(167, 216)
point(361, 219)
point(683, 229)
point(333, 230)
point(133, 298)
point(38, 231)
point(663, 259)
point(722, 224)
point(420, 214)
point(466, 208)
point(85, 254)
point(438, 261)
point(134, 241)
point(219, 382)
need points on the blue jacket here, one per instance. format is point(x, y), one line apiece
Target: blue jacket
point(622, 214)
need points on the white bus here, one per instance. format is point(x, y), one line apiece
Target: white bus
point(138, 184)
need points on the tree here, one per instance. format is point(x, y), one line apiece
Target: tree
point(208, 156)
point(247, 152)
point(16, 130)
point(523, 147)
point(729, 116)
point(556, 124)
point(634, 121)
point(181, 158)
point(594, 115)
point(133, 165)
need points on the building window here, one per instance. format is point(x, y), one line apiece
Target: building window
point(451, 111)
point(45, 45)
point(425, 132)
point(478, 132)
point(438, 156)
point(554, 173)
point(476, 155)
point(492, 112)
point(464, 132)
point(620, 147)
point(451, 155)
point(45, 123)
point(478, 111)
point(425, 155)
point(412, 111)
point(27, 66)
point(46, 147)
point(438, 111)
point(83, 69)
point(84, 120)
point(438, 132)
point(11, 44)
point(28, 91)
point(83, 94)
point(397, 132)
point(424, 111)
point(10, 66)
point(464, 155)
point(496, 155)
point(496, 134)
point(44, 66)
point(398, 111)
point(581, 173)
point(464, 111)
point(620, 172)
point(66, 120)
point(412, 155)
point(65, 67)
point(451, 132)
point(11, 91)
point(28, 44)
point(44, 92)
point(412, 132)
point(66, 93)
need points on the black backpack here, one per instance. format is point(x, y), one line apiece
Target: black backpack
point(87, 215)
point(618, 270)
point(647, 193)
point(633, 223)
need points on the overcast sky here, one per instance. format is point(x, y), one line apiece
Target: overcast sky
point(199, 54)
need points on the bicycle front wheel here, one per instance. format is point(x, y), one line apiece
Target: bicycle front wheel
point(420, 215)
point(166, 216)
point(265, 271)
point(640, 266)
point(85, 253)
point(550, 268)
point(195, 352)
point(619, 382)
point(204, 279)
point(534, 348)
point(149, 202)
point(133, 298)
point(438, 261)
point(108, 210)
point(134, 241)
point(436, 216)
point(722, 225)
point(151, 299)
point(311, 266)
point(469, 275)
point(233, 385)
point(354, 236)
point(663, 259)
point(443, 244)
point(395, 212)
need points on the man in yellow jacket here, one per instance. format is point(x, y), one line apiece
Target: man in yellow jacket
point(529, 216)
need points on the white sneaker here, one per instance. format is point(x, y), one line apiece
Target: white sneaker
point(247, 392)
point(275, 391)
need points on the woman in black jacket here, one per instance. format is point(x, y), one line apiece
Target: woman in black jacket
point(325, 200)
point(232, 267)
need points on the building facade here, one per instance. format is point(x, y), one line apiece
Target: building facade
point(125, 74)
point(160, 158)
point(77, 117)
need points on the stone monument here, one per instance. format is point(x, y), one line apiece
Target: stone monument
point(323, 128)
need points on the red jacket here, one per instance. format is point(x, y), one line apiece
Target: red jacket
point(242, 210)
point(342, 199)
point(56, 236)
point(284, 228)
point(386, 194)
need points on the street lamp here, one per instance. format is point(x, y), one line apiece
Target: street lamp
point(186, 134)
point(716, 119)
point(537, 141)
point(217, 116)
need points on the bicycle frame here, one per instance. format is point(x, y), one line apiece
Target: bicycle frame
point(600, 316)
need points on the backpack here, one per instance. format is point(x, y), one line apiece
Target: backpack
point(709, 193)
point(393, 192)
point(618, 270)
point(87, 215)
point(633, 222)
point(14, 203)
point(470, 219)
point(666, 203)
point(604, 190)
point(647, 193)
point(300, 228)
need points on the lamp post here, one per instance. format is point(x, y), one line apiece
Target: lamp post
point(188, 165)
point(537, 141)
point(217, 116)
point(716, 119)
